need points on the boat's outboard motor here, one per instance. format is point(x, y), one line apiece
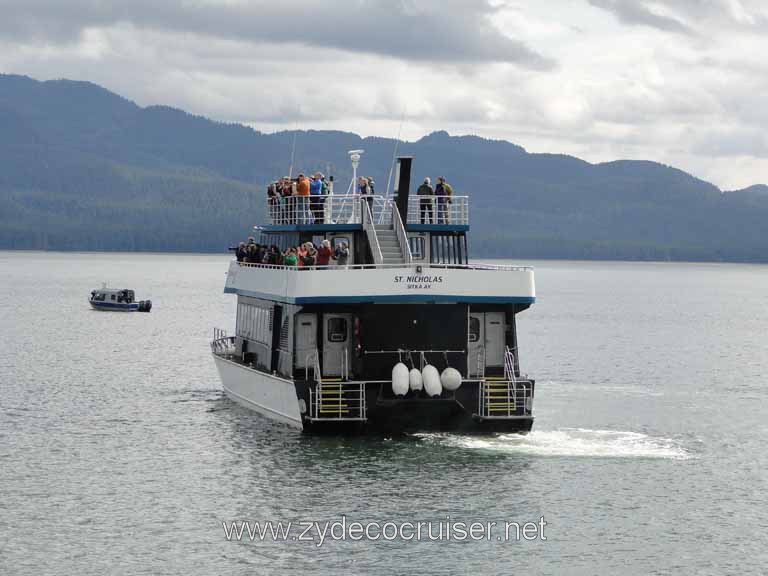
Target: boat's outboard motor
point(145, 305)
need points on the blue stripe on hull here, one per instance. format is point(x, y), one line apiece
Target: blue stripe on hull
point(389, 298)
point(119, 307)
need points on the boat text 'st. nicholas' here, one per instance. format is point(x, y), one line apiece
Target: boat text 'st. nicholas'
point(406, 336)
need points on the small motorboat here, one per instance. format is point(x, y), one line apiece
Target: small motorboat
point(122, 300)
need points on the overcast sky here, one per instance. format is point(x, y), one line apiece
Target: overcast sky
point(683, 82)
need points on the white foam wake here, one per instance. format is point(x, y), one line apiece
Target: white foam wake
point(571, 442)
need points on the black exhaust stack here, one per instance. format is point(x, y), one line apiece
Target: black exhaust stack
point(403, 185)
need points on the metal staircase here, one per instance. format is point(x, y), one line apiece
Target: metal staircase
point(390, 246)
point(508, 398)
point(386, 233)
point(336, 400)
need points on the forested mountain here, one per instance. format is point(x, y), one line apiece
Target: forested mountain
point(84, 169)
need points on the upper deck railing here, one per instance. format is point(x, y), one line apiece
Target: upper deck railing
point(504, 267)
point(348, 209)
point(447, 210)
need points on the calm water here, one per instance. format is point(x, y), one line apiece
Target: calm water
point(119, 454)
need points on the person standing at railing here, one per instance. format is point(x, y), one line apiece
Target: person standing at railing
point(290, 258)
point(444, 193)
point(341, 255)
point(365, 191)
point(273, 201)
point(302, 191)
point(289, 201)
point(316, 197)
point(240, 252)
point(426, 192)
point(324, 253)
point(325, 193)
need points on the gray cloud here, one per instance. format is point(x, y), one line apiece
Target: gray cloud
point(636, 12)
point(421, 30)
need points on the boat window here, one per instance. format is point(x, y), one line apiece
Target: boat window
point(339, 239)
point(417, 247)
point(474, 329)
point(337, 330)
point(113, 296)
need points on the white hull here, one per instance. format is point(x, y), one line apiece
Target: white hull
point(268, 395)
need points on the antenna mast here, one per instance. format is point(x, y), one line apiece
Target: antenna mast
point(394, 154)
point(293, 154)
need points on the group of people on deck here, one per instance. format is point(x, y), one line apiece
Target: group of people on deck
point(298, 200)
point(304, 255)
point(443, 193)
point(302, 200)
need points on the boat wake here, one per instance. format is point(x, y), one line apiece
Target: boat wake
point(577, 442)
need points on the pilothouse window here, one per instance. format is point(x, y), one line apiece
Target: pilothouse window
point(337, 330)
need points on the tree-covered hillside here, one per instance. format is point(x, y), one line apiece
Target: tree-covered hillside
point(84, 169)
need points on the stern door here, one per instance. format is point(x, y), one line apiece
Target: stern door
point(306, 339)
point(494, 339)
point(337, 337)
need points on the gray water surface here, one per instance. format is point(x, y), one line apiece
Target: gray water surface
point(120, 455)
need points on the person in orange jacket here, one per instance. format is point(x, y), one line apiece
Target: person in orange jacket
point(302, 191)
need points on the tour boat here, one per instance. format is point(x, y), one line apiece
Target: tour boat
point(121, 300)
point(407, 336)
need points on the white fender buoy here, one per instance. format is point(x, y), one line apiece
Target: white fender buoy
point(415, 379)
point(431, 379)
point(450, 379)
point(400, 379)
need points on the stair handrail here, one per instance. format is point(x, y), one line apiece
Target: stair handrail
point(509, 365)
point(370, 231)
point(312, 360)
point(402, 237)
point(481, 362)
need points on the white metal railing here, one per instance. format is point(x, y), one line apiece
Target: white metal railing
point(222, 344)
point(509, 365)
point(370, 231)
point(313, 209)
point(326, 209)
point(346, 209)
point(502, 267)
point(505, 399)
point(312, 362)
point(402, 237)
point(438, 209)
point(480, 363)
point(338, 401)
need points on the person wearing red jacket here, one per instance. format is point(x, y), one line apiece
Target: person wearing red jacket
point(324, 253)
